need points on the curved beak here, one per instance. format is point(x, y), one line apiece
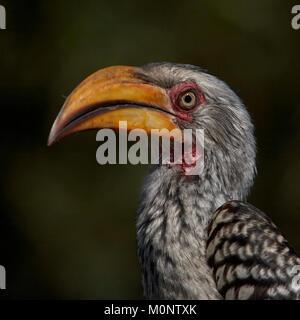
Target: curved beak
point(111, 95)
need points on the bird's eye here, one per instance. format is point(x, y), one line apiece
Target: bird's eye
point(187, 100)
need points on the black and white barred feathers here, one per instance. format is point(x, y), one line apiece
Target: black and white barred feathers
point(249, 256)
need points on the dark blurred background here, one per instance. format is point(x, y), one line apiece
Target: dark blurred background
point(66, 223)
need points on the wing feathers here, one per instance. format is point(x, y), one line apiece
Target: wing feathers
point(249, 256)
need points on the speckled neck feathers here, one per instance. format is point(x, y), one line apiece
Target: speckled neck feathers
point(172, 233)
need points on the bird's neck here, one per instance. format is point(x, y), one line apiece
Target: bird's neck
point(172, 222)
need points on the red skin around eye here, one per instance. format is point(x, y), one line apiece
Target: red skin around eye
point(177, 90)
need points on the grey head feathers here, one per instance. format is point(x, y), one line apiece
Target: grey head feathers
point(230, 148)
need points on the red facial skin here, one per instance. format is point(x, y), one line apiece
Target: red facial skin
point(187, 115)
point(184, 167)
point(175, 94)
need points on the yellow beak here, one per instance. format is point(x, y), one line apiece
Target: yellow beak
point(111, 95)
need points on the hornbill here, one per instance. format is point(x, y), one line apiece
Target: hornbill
point(197, 238)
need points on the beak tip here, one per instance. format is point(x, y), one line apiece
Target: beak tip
point(53, 135)
point(50, 140)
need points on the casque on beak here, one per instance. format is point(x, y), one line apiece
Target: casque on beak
point(111, 95)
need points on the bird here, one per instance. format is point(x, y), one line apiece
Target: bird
point(197, 236)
